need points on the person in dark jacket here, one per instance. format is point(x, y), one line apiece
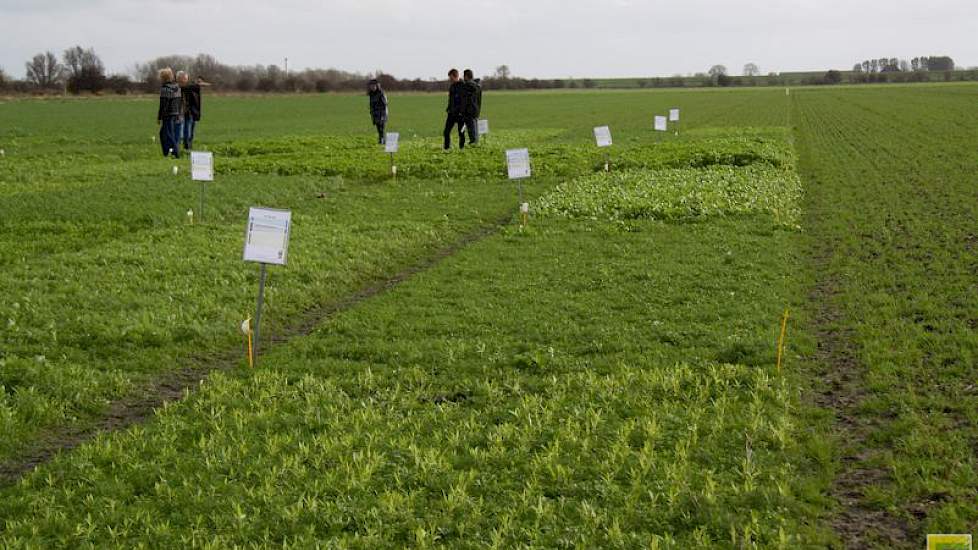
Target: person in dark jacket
point(191, 108)
point(378, 108)
point(168, 115)
point(455, 110)
point(471, 100)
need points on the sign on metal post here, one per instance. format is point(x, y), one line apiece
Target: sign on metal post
point(518, 163)
point(661, 124)
point(201, 166)
point(602, 135)
point(673, 115)
point(266, 242)
point(202, 170)
point(391, 142)
point(483, 127)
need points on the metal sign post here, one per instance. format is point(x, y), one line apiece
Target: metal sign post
point(391, 145)
point(518, 168)
point(266, 242)
point(602, 135)
point(202, 170)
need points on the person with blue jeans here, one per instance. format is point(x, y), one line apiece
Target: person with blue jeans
point(168, 115)
point(190, 113)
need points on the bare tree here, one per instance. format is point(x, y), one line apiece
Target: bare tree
point(502, 72)
point(85, 70)
point(717, 70)
point(44, 70)
point(751, 69)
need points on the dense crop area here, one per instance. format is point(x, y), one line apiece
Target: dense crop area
point(604, 377)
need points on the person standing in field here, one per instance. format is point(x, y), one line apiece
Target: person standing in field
point(472, 100)
point(191, 108)
point(378, 108)
point(168, 115)
point(456, 110)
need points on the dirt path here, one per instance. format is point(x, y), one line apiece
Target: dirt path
point(176, 385)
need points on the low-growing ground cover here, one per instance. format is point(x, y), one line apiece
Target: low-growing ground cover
point(578, 383)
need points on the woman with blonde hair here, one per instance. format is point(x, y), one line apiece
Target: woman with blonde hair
point(169, 113)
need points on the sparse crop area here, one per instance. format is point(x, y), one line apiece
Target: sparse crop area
point(436, 375)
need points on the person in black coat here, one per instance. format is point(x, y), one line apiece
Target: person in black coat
point(191, 108)
point(456, 110)
point(472, 105)
point(169, 113)
point(378, 108)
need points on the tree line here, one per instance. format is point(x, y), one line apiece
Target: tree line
point(79, 70)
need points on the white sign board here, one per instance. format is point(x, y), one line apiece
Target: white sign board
point(602, 134)
point(661, 124)
point(483, 127)
point(391, 142)
point(518, 163)
point(201, 166)
point(267, 237)
point(673, 115)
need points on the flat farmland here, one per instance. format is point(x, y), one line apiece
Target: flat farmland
point(436, 375)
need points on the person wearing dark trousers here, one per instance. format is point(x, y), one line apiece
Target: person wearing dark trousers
point(168, 115)
point(378, 109)
point(455, 110)
point(191, 108)
point(472, 99)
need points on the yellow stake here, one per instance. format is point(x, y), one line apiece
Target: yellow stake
point(784, 330)
point(246, 328)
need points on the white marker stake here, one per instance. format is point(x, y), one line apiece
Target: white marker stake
point(391, 145)
point(674, 117)
point(175, 170)
point(3, 153)
point(518, 167)
point(661, 124)
point(266, 242)
point(602, 135)
point(524, 214)
point(202, 170)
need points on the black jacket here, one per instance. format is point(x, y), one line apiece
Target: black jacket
point(478, 98)
point(191, 101)
point(171, 101)
point(378, 106)
point(470, 99)
point(456, 99)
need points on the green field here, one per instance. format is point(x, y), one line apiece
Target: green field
point(434, 375)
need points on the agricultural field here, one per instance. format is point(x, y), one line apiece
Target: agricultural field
point(436, 375)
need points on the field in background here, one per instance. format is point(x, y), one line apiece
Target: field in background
point(605, 377)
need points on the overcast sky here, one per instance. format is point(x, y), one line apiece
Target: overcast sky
point(536, 38)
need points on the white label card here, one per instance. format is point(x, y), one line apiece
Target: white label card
point(661, 125)
point(201, 166)
point(483, 127)
point(602, 134)
point(674, 115)
point(267, 236)
point(391, 142)
point(518, 163)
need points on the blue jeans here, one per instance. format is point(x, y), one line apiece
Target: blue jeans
point(170, 136)
point(186, 132)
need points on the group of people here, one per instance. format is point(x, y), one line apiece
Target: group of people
point(179, 112)
point(464, 108)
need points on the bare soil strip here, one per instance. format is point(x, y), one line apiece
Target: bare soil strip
point(176, 385)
